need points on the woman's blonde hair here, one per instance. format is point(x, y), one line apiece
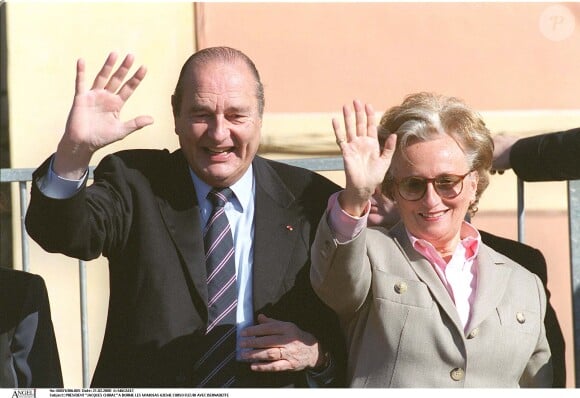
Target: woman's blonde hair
point(424, 116)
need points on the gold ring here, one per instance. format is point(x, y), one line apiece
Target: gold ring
point(339, 141)
point(280, 348)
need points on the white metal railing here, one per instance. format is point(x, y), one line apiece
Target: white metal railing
point(24, 176)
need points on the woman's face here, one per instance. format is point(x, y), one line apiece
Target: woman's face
point(434, 218)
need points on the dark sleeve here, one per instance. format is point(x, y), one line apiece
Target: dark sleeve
point(43, 360)
point(33, 348)
point(62, 225)
point(547, 157)
point(93, 221)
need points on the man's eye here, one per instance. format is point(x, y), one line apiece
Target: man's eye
point(237, 117)
point(200, 116)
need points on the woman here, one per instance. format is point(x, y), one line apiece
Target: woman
point(425, 304)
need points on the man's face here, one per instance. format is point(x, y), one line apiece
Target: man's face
point(219, 124)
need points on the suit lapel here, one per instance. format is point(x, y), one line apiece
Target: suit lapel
point(180, 212)
point(277, 227)
point(427, 274)
point(492, 281)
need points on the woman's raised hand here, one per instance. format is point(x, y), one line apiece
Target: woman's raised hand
point(365, 163)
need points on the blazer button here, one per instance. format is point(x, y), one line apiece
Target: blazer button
point(457, 374)
point(520, 317)
point(400, 287)
point(473, 333)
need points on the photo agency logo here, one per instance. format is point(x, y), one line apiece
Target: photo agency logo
point(557, 22)
point(24, 393)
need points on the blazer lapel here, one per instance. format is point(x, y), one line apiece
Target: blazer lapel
point(180, 212)
point(427, 274)
point(492, 280)
point(277, 227)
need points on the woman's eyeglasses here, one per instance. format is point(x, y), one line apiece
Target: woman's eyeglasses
point(447, 186)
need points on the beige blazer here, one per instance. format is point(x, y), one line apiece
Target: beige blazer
point(402, 327)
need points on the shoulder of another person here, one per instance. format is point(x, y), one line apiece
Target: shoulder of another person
point(502, 244)
point(294, 176)
point(10, 276)
point(17, 286)
point(500, 259)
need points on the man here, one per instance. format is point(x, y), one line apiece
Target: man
point(543, 157)
point(146, 212)
point(384, 213)
point(28, 350)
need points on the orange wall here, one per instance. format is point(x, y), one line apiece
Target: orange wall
point(315, 56)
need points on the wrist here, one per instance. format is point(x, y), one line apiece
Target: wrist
point(353, 204)
point(323, 359)
point(71, 161)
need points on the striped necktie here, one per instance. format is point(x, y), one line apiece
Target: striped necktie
point(216, 367)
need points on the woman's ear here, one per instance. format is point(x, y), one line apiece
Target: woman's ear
point(474, 180)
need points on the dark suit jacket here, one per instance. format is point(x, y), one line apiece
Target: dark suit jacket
point(142, 213)
point(547, 157)
point(533, 260)
point(28, 349)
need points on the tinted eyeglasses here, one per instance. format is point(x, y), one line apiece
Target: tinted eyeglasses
point(447, 186)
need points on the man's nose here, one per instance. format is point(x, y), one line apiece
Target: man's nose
point(219, 129)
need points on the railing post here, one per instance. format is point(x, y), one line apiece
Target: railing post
point(84, 322)
point(574, 230)
point(521, 211)
point(23, 234)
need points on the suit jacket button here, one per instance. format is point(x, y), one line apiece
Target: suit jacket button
point(457, 374)
point(521, 318)
point(473, 333)
point(400, 287)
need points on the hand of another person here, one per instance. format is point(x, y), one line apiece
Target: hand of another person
point(279, 346)
point(502, 145)
point(94, 119)
point(365, 164)
point(383, 212)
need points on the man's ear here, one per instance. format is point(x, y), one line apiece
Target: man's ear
point(175, 113)
point(174, 106)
